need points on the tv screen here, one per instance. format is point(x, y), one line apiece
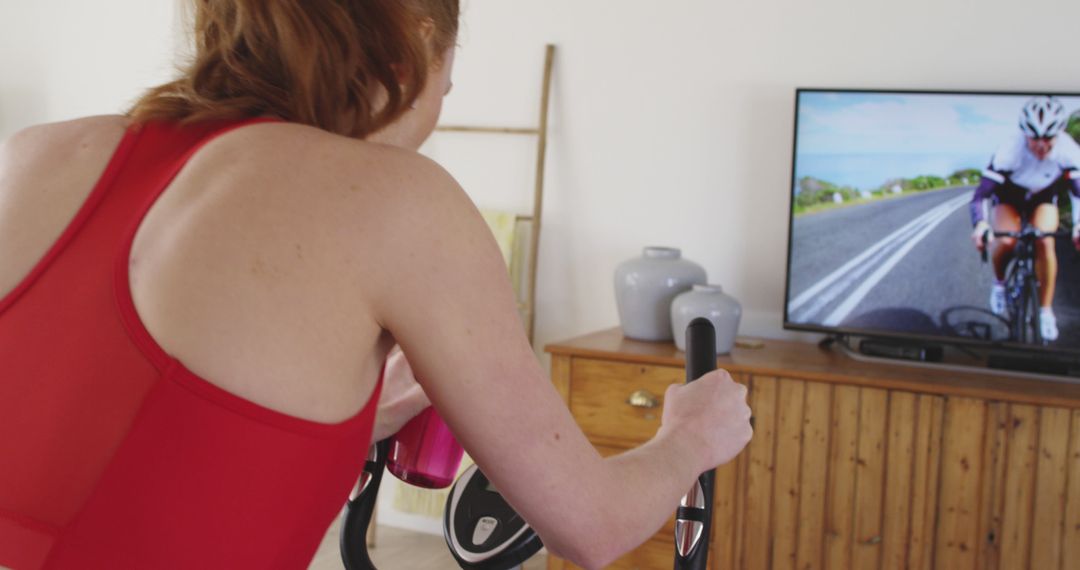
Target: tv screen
point(888, 189)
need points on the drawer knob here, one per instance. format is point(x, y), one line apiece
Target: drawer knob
point(643, 399)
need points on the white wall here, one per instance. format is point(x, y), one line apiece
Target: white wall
point(671, 120)
point(61, 59)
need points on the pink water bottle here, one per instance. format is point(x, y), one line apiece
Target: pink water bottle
point(424, 453)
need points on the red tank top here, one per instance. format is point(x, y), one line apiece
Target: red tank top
point(114, 455)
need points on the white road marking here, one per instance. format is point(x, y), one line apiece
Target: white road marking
point(851, 279)
point(898, 243)
point(853, 300)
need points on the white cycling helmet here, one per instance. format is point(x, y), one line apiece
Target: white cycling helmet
point(1043, 118)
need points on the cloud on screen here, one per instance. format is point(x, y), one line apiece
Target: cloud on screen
point(887, 123)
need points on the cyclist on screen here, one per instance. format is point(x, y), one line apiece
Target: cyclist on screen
point(1023, 181)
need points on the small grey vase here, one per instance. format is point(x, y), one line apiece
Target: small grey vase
point(711, 302)
point(645, 287)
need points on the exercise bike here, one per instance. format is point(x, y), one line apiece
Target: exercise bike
point(484, 533)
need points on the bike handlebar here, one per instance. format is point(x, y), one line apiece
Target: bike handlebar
point(693, 520)
point(1029, 233)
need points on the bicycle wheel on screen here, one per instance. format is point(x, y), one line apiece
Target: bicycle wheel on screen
point(1030, 324)
point(1014, 300)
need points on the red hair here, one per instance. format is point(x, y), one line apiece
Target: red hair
point(349, 67)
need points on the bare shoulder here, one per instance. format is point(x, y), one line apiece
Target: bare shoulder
point(361, 205)
point(336, 177)
point(390, 208)
point(52, 167)
point(84, 129)
point(332, 160)
point(41, 147)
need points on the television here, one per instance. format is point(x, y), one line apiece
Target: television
point(881, 243)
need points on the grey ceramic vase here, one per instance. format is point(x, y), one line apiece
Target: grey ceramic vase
point(645, 287)
point(711, 302)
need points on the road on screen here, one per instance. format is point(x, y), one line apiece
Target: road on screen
point(906, 264)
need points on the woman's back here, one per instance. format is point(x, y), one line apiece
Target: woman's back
point(255, 246)
point(107, 430)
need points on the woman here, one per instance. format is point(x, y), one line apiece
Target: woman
point(199, 298)
point(1023, 182)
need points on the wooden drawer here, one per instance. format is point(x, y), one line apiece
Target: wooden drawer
point(598, 399)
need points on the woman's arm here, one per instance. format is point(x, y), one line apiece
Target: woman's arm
point(440, 286)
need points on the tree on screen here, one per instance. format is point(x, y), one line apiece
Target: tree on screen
point(1065, 204)
point(1074, 125)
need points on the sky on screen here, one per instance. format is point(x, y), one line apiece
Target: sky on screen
point(864, 139)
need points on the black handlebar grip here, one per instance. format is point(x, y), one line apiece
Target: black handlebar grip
point(700, 348)
point(693, 520)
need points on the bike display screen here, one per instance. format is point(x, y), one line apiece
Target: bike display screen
point(896, 195)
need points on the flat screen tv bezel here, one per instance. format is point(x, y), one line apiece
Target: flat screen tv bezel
point(884, 333)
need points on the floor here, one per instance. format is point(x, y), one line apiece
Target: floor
point(397, 549)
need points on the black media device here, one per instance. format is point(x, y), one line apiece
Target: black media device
point(903, 350)
point(1060, 366)
point(481, 528)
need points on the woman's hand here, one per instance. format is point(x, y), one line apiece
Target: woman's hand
point(402, 398)
point(1076, 237)
point(711, 415)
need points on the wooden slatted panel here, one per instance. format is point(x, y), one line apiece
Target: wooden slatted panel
point(759, 474)
point(1019, 485)
point(958, 498)
point(790, 404)
point(1050, 483)
point(870, 477)
point(1070, 548)
point(726, 508)
point(898, 480)
point(988, 556)
point(840, 495)
point(725, 523)
point(815, 461)
point(924, 481)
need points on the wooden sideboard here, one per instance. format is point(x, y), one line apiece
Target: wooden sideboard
point(855, 465)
